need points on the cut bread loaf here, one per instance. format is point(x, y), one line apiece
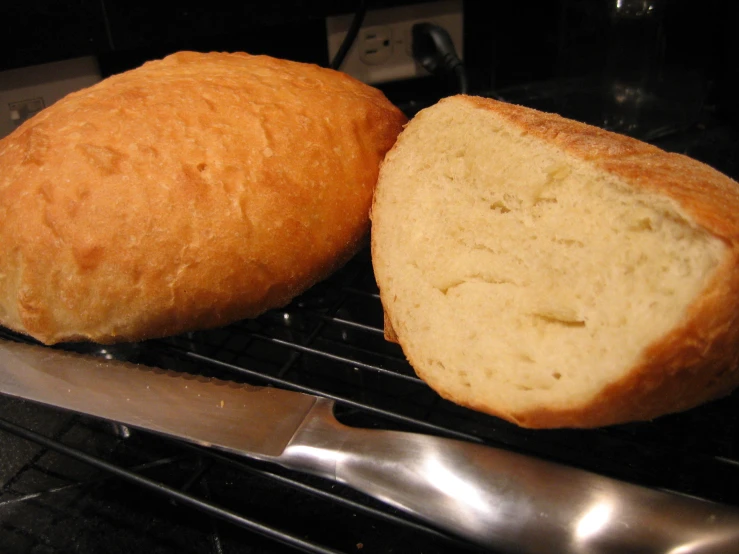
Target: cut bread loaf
point(188, 193)
point(554, 274)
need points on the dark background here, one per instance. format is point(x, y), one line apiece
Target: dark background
point(506, 41)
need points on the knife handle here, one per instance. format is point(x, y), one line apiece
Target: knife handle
point(504, 500)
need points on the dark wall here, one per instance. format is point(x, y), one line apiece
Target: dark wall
point(506, 41)
point(38, 31)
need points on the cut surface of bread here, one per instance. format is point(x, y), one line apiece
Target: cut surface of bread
point(189, 193)
point(554, 274)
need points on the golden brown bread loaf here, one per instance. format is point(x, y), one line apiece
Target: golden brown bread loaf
point(555, 274)
point(188, 193)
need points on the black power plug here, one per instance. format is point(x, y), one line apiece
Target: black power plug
point(434, 50)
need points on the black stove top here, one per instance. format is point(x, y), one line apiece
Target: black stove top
point(75, 484)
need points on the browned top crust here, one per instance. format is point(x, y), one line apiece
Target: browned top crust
point(711, 198)
point(188, 193)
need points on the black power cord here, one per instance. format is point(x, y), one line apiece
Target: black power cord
point(351, 35)
point(434, 50)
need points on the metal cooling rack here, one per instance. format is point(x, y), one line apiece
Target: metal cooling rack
point(67, 479)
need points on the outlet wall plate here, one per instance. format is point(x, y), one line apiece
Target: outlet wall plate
point(382, 51)
point(28, 90)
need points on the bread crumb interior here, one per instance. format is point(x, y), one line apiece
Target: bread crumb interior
point(528, 276)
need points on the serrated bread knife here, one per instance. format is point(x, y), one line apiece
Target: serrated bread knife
point(503, 500)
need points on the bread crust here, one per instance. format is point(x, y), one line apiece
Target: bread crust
point(699, 359)
point(189, 193)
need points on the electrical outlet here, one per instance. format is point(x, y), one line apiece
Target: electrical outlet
point(22, 110)
point(383, 48)
point(25, 91)
point(377, 46)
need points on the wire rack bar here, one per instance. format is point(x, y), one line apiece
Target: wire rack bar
point(174, 494)
point(341, 359)
point(388, 414)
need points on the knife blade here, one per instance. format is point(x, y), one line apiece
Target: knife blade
point(495, 498)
